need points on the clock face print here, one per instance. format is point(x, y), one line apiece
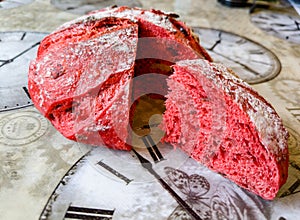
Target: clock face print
point(284, 26)
point(251, 61)
point(17, 50)
point(85, 6)
point(5, 4)
point(109, 184)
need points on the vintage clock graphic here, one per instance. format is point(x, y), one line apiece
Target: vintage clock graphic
point(83, 6)
point(17, 50)
point(154, 182)
point(284, 26)
point(251, 61)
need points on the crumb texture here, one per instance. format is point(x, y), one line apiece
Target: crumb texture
point(213, 117)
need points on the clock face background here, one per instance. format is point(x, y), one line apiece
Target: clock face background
point(251, 61)
point(17, 50)
point(97, 186)
point(284, 26)
point(35, 160)
point(85, 6)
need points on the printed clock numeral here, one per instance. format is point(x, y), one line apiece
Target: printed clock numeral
point(114, 172)
point(152, 149)
point(75, 212)
point(26, 91)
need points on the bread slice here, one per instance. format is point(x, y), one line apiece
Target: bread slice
point(224, 124)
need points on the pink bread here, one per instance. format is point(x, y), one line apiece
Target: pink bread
point(82, 81)
point(79, 77)
point(82, 77)
point(224, 124)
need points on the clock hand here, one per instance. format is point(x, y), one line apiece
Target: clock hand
point(20, 54)
point(148, 166)
point(216, 43)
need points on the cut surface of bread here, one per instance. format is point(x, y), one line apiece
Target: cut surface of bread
point(224, 124)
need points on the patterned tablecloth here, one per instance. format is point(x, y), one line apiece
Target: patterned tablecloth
point(43, 175)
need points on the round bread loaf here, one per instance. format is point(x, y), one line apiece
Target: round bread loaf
point(81, 79)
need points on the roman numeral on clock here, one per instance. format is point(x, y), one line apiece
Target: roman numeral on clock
point(75, 212)
point(114, 172)
point(152, 149)
point(26, 91)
